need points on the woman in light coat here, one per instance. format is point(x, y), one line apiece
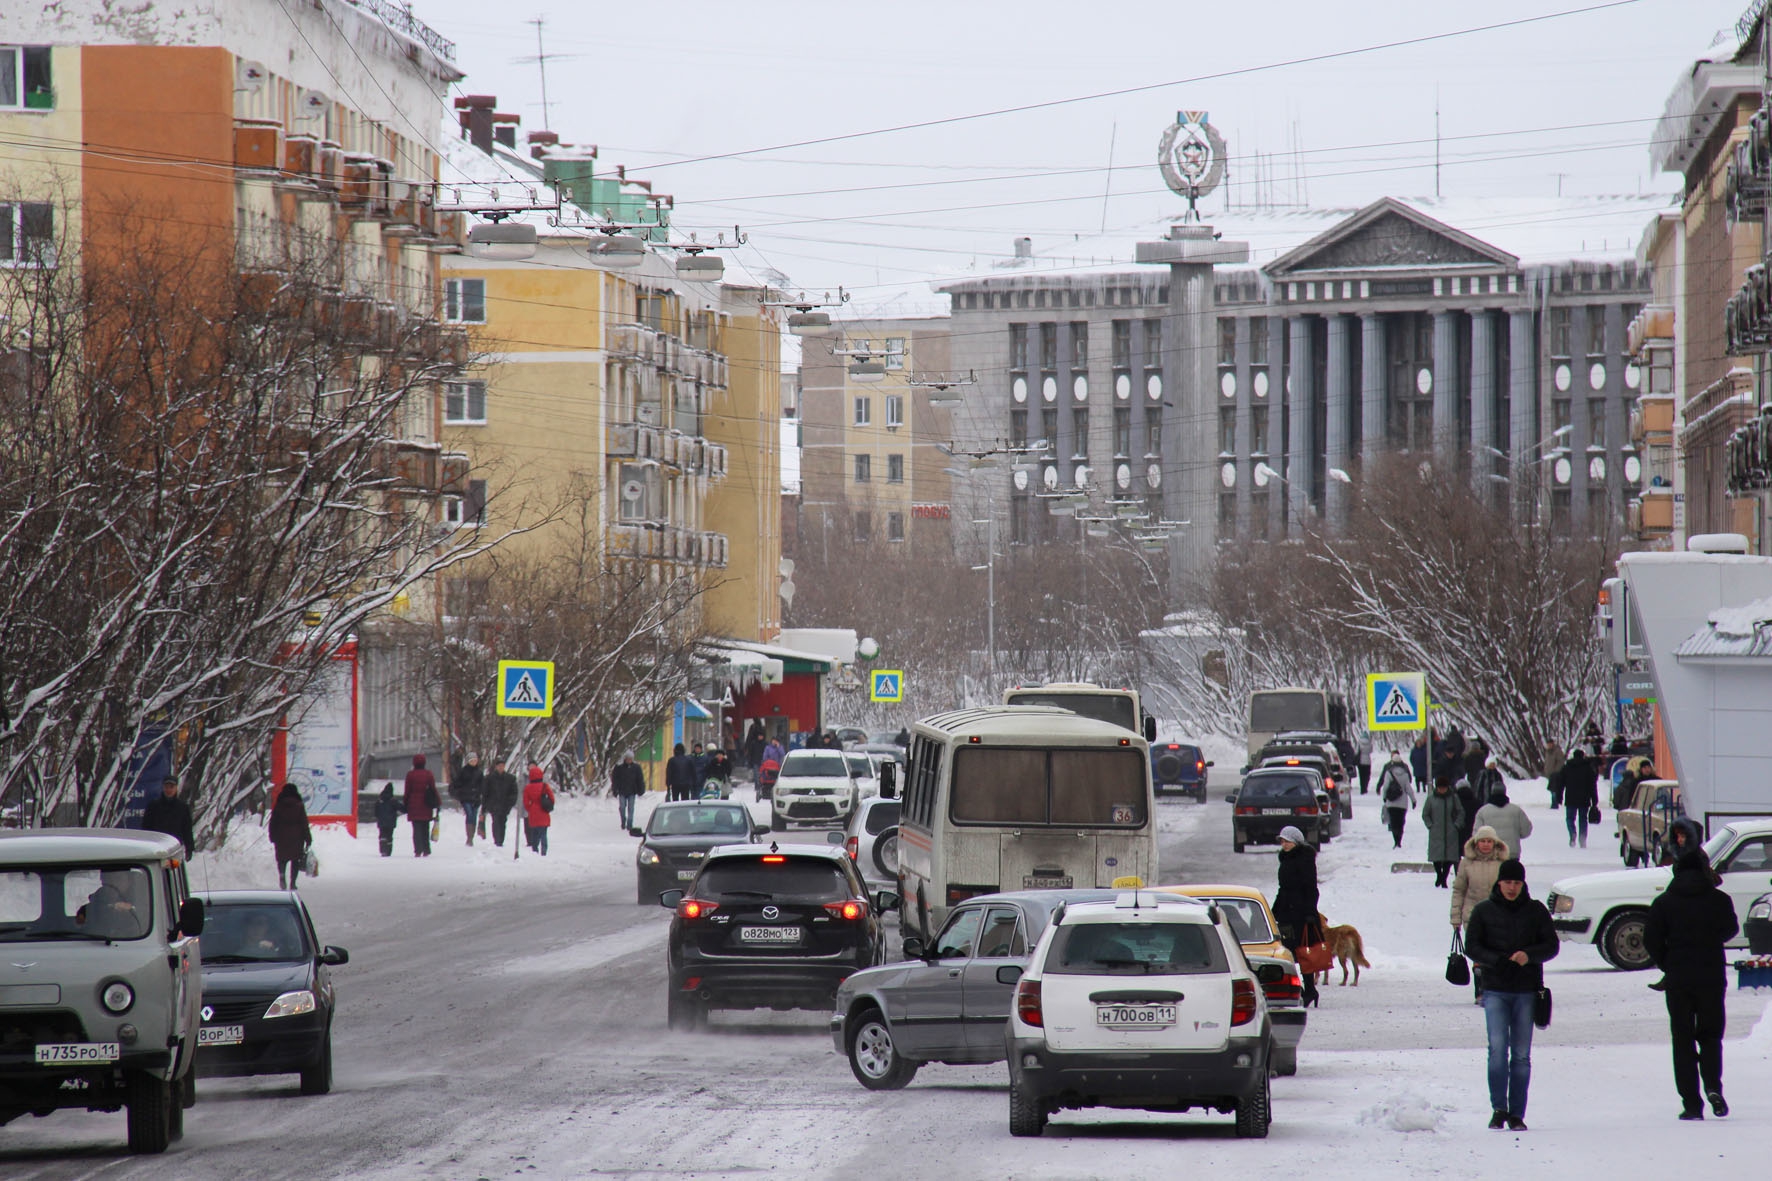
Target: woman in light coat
point(1483, 855)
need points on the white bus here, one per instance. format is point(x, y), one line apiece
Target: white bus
point(1020, 798)
point(1276, 711)
point(1119, 706)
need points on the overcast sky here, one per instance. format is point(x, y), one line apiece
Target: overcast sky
point(1568, 102)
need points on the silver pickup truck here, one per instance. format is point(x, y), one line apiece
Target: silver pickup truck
point(100, 979)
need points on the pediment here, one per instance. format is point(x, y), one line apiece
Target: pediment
point(1389, 235)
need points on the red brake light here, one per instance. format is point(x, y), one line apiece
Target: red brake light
point(1242, 1002)
point(1175, 746)
point(1286, 988)
point(1199, 764)
point(1310, 811)
point(850, 910)
point(695, 908)
point(1292, 762)
point(853, 844)
point(1027, 1003)
point(773, 859)
point(1248, 811)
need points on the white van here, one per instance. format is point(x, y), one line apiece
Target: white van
point(1019, 797)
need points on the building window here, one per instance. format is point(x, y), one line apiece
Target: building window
point(895, 352)
point(1227, 431)
point(1080, 433)
point(1153, 344)
point(1049, 346)
point(1018, 428)
point(1079, 344)
point(1227, 340)
point(464, 403)
point(1227, 514)
point(464, 301)
point(1122, 430)
point(864, 411)
point(1122, 344)
point(864, 525)
point(1018, 345)
point(1258, 340)
point(24, 78)
point(27, 234)
point(864, 468)
point(1560, 413)
point(895, 469)
point(1018, 520)
point(466, 512)
point(1153, 433)
point(1596, 331)
point(894, 526)
point(1559, 332)
point(894, 410)
point(1049, 429)
point(1258, 430)
point(1596, 421)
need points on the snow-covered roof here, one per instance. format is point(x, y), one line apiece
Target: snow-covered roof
point(1743, 631)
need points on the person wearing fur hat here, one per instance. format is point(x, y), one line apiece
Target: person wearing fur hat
point(1508, 938)
point(1295, 902)
point(1689, 925)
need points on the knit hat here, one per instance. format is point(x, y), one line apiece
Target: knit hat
point(1289, 833)
point(1485, 833)
point(1511, 871)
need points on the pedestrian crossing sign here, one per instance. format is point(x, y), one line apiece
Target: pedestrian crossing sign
point(886, 684)
point(1396, 701)
point(526, 688)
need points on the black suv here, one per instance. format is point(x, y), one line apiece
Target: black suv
point(1316, 751)
point(1274, 797)
point(1179, 765)
point(769, 928)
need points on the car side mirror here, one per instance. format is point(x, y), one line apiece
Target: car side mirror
point(1150, 729)
point(190, 917)
point(1210, 763)
point(1010, 974)
point(335, 956)
point(886, 900)
point(913, 948)
point(669, 899)
point(636, 832)
point(1231, 799)
point(888, 780)
point(1243, 770)
point(835, 837)
point(759, 831)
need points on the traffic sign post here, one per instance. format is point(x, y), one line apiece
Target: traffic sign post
point(886, 684)
point(1396, 701)
point(525, 689)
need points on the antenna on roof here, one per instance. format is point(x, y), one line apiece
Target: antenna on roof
point(1436, 141)
point(541, 59)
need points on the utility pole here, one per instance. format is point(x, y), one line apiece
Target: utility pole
point(990, 583)
point(1436, 141)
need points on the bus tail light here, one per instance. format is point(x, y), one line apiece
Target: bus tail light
point(1027, 1003)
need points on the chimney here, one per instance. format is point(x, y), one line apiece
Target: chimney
point(504, 129)
point(476, 119)
point(1024, 248)
point(541, 141)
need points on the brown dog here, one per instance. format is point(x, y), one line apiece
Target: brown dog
point(1348, 947)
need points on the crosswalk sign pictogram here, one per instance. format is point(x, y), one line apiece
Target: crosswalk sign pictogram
point(1396, 701)
point(886, 684)
point(526, 688)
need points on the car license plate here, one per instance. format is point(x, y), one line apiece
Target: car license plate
point(685, 875)
point(77, 1052)
point(1031, 882)
point(769, 934)
point(1134, 1016)
point(221, 1035)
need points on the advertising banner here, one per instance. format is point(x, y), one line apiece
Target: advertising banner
point(318, 749)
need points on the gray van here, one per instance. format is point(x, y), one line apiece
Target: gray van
point(100, 979)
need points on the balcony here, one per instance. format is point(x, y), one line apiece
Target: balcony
point(1749, 178)
point(1652, 421)
point(1747, 317)
point(1748, 457)
point(411, 466)
point(258, 145)
point(634, 342)
point(714, 459)
point(1652, 514)
point(713, 550)
point(455, 470)
point(364, 187)
point(632, 539)
point(1653, 323)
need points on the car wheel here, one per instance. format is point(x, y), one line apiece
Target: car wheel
point(1621, 941)
point(1236, 844)
point(1254, 1113)
point(176, 1115)
point(1284, 1062)
point(1200, 796)
point(874, 1058)
point(684, 1012)
point(317, 1079)
point(149, 1101)
point(1027, 1115)
point(886, 852)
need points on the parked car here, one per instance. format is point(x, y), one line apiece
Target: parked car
point(864, 772)
point(1145, 1001)
point(1609, 910)
point(1756, 925)
point(1274, 797)
point(888, 738)
point(769, 927)
point(1179, 766)
point(1252, 920)
point(268, 998)
point(815, 787)
point(1283, 987)
point(850, 735)
point(944, 1001)
point(98, 946)
point(872, 842)
point(1250, 915)
point(882, 751)
point(1642, 827)
point(678, 836)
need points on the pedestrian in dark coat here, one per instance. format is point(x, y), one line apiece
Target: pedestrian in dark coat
point(1295, 901)
point(290, 834)
point(1688, 926)
point(1553, 771)
point(501, 796)
point(387, 819)
point(1443, 817)
point(754, 742)
point(421, 805)
point(1509, 937)
point(1581, 791)
point(538, 808)
point(1476, 757)
point(680, 779)
point(1468, 799)
point(1418, 762)
point(627, 783)
point(168, 814)
point(468, 786)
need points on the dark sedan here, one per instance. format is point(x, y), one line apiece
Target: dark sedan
point(267, 989)
point(677, 840)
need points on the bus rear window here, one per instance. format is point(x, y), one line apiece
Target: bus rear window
point(1271, 713)
point(1101, 787)
point(1103, 707)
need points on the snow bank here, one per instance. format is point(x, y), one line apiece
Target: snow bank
point(1405, 1113)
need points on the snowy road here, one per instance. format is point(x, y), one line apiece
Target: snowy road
point(505, 1020)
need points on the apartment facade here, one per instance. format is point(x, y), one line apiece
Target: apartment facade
point(1730, 453)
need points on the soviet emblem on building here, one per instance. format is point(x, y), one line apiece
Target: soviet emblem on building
point(1192, 157)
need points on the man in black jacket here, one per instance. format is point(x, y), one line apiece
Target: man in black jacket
point(170, 815)
point(680, 778)
point(1509, 937)
point(627, 783)
point(499, 797)
point(1688, 926)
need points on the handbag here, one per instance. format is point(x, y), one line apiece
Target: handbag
point(310, 864)
point(1313, 954)
point(1541, 1008)
point(1458, 969)
point(1593, 813)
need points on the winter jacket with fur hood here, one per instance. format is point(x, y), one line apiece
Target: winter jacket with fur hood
point(1476, 874)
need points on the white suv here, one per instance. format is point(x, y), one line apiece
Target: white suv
point(816, 787)
point(1145, 1001)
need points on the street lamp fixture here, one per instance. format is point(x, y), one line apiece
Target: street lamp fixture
point(502, 241)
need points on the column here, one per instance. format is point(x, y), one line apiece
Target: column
point(1276, 425)
point(1522, 386)
point(1338, 394)
point(1483, 432)
point(1245, 405)
point(1446, 385)
point(1374, 364)
point(1300, 447)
